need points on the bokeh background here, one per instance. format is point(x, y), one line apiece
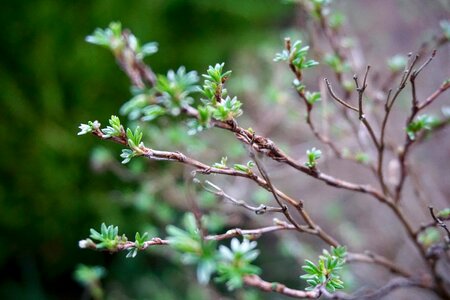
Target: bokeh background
point(56, 185)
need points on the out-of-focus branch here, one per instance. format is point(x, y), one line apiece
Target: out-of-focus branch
point(284, 208)
point(370, 257)
point(259, 210)
point(256, 233)
point(200, 167)
point(275, 287)
point(415, 109)
point(439, 223)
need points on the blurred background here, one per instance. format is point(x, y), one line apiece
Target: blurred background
point(55, 186)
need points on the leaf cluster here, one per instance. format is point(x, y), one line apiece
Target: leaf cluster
point(324, 273)
point(139, 244)
point(296, 55)
point(312, 155)
point(108, 237)
point(193, 249)
point(429, 236)
point(236, 262)
point(422, 122)
point(114, 38)
point(89, 127)
point(247, 168)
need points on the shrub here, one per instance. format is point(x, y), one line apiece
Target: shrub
point(203, 105)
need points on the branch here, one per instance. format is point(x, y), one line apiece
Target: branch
point(266, 146)
point(335, 97)
point(259, 210)
point(379, 293)
point(439, 222)
point(445, 86)
point(139, 73)
point(431, 224)
point(373, 258)
point(200, 167)
point(256, 281)
point(416, 107)
point(122, 246)
point(324, 139)
point(264, 174)
point(256, 233)
point(362, 118)
point(249, 233)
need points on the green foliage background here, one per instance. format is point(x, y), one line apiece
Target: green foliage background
point(50, 81)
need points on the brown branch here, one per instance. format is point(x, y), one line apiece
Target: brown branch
point(122, 246)
point(139, 73)
point(439, 222)
point(259, 210)
point(324, 139)
point(200, 167)
point(312, 225)
point(335, 97)
point(275, 287)
point(416, 107)
point(382, 145)
point(445, 86)
point(379, 293)
point(253, 234)
point(430, 224)
point(284, 208)
point(373, 258)
point(415, 102)
point(362, 117)
point(266, 146)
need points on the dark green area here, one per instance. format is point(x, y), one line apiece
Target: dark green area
point(50, 81)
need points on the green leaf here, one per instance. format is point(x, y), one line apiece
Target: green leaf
point(281, 56)
point(336, 20)
point(312, 97)
point(127, 155)
point(135, 138)
point(88, 275)
point(325, 272)
point(132, 253)
point(152, 112)
point(244, 168)
point(397, 63)
point(422, 122)
point(429, 236)
point(445, 213)
point(445, 25)
point(89, 127)
point(147, 49)
point(313, 155)
point(336, 64)
point(222, 164)
point(110, 37)
point(236, 262)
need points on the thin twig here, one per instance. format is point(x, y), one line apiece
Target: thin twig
point(256, 281)
point(258, 232)
point(259, 210)
point(440, 223)
point(284, 208)
point(335, 97)
point(370, 257)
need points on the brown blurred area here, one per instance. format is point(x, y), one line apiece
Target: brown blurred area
point(380, 29)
